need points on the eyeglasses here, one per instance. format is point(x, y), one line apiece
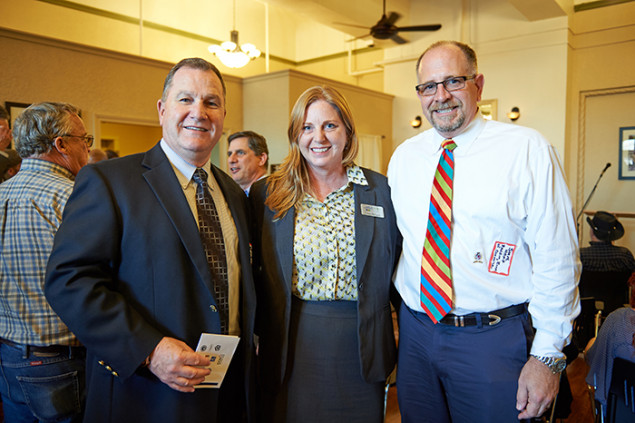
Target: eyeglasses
point(88, 139)
point(451, 84)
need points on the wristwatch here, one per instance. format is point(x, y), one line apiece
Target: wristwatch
point(555, 364)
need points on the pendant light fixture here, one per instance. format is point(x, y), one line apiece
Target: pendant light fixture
point(231, 53)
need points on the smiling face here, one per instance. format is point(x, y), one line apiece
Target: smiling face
point(449, 112)
point(192, 114)
point(323, 138)
point(244, 166)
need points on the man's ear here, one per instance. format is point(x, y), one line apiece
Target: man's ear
point(479, 80)
point(161, 110)
point(60, 145)
point(263, 159)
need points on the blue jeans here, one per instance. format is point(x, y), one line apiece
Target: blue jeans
point(42, 386)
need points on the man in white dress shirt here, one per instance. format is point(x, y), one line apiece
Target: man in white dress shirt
point(513, 254)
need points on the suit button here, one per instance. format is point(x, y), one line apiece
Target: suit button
point(101, 362)
point(213, 308)
point(115, 374)
point(109, 368)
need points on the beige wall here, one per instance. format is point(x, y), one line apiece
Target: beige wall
point(266, 111)
point(130, 138)
point(600, 101)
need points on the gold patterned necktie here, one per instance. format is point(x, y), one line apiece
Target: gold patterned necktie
point(212, 238)
point(436, 276)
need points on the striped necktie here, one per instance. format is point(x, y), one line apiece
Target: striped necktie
point(436, 276)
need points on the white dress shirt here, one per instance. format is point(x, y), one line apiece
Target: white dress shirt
point(513, 230)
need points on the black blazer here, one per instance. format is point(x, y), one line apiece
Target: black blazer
point(128, 268)
point(377, 249)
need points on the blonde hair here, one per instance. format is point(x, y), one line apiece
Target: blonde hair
point(289, 183)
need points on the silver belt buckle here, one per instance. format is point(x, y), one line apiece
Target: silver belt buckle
point(494, 319)
point(459, 321)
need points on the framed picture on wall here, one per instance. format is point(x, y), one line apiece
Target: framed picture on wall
point(627, 152)
point(489, 109)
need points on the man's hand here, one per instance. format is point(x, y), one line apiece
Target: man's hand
point(174, 363)
point(537, 387)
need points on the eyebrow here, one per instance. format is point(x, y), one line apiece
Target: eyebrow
point(444, 78)
point(205, 97)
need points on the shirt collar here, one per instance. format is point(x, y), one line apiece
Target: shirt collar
point(46, 166)
point(600, 243)
point(185, 169)
point(355, 175)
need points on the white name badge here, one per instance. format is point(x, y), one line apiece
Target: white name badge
point(374, 211)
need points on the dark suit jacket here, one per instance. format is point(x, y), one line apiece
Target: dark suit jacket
point(377, 247)
point(128, 268)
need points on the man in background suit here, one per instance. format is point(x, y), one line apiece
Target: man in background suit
point(247, 158)
point(130, 276)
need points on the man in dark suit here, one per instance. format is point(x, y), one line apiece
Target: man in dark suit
point(129, 272)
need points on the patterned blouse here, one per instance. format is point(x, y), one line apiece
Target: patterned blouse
point(324, 244)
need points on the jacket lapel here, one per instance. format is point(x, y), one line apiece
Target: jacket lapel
point(364, 226)
point(284, 245)
point(165, 185)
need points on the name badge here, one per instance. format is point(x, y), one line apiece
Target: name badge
point(374, 211)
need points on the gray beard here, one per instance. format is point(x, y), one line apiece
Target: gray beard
point(448, 127)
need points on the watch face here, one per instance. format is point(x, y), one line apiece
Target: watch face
point(559, 365)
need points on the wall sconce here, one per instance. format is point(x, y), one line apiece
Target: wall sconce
point(416, 122)
point(514, 114)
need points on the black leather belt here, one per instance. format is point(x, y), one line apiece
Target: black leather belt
point(492, 318)
point(50, 349)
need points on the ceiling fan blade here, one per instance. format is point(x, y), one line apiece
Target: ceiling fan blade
point(358, 38)
point(352, 25)
point(396, 38)
point(392, 18)
point(419, 28)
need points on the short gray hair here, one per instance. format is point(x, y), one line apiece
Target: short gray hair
point(37, 127)
point(468, 52)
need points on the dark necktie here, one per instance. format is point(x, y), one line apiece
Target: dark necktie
point(436, 277)
point(212, 237)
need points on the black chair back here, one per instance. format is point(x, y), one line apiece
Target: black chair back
point(621, 399)
point(609, 287)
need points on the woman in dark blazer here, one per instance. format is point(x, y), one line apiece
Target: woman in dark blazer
point(328, 242)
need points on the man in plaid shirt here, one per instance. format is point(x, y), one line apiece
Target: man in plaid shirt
point(42, 361)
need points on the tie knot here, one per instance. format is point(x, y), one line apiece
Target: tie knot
point(200, 176)
point(448, 145)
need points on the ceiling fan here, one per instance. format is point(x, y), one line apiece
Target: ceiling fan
point(385, 28)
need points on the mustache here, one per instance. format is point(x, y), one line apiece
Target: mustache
point(446, 104)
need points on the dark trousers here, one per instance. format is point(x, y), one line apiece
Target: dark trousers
point(460, 374)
